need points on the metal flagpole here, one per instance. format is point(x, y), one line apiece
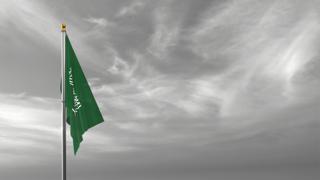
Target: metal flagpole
point(63, 143)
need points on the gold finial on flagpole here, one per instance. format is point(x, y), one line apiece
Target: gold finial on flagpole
point(63, 27)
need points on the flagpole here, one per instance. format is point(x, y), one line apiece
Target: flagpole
point(63, 115)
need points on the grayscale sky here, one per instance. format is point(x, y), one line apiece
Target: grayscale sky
point(189, 89)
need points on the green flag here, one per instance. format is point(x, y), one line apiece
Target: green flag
point(81, 108)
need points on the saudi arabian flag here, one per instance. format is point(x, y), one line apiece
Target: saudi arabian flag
point(81, 108)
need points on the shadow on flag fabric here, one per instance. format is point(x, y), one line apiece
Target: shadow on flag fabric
point(82, 111)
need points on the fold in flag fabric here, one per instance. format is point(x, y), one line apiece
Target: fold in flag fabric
point(82, 111)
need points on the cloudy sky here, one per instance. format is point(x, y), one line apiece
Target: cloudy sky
point(189, 89)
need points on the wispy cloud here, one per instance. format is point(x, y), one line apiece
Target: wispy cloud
point(130, 9)
point(100, 22)
point(34, 19)
point(263, 64)
point(165, 34)
point(29, 125)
